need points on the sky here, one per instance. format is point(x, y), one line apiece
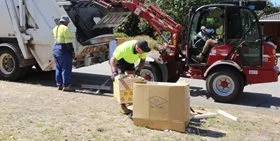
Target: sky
point(277, 2)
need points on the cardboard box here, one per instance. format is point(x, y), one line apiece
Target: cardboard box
point(123, 87)
point(164, 106)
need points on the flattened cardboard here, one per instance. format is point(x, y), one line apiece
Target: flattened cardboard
point(123, 88)
point(164, 106)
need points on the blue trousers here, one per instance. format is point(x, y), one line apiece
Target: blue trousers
point(63, 65)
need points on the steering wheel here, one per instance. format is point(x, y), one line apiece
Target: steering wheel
point(199, 43)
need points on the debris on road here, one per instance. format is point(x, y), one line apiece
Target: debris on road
point(227, 115)
point(201, 115)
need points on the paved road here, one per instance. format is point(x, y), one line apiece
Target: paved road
point(259, 95)
point(255, 96)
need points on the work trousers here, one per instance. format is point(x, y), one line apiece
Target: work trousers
point(125, 66)
point(63, 64)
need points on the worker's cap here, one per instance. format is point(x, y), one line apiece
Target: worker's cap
point(143, 44)
point(64, 18)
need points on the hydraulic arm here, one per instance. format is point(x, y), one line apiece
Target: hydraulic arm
point(153, 15)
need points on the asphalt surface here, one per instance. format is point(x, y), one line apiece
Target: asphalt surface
point(89, 79)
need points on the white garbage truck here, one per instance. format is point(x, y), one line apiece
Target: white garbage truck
point(26, 38)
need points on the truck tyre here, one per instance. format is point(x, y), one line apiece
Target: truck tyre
point(151, 73)
point(9, 65)
point(224, 86)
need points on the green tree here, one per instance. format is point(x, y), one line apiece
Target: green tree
point(130, 27)
point(269, 9)
point(176, 9)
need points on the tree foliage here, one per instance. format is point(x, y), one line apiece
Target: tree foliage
point(130, 26)
point(269, 9)
point(176, 9)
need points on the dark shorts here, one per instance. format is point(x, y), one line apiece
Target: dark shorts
point(125, 66)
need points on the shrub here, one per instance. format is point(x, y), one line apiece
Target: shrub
point(153, 44)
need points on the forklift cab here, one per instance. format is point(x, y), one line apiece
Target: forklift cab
point(241, 34)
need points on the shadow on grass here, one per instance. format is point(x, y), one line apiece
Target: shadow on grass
point(89, 83)
point(195, 128)
point(83, 82)
point(246, 98)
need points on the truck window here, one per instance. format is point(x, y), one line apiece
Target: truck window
point(234, 26)
point(251, 51)
point(250, 25)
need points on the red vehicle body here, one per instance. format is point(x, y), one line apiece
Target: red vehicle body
point(244, 57)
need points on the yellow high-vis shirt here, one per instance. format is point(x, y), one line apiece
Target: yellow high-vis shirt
point(219, 31)
point(62, 34)
point(126, 51)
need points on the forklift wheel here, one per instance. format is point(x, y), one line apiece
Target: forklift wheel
point(225, 85)
point(151, 73)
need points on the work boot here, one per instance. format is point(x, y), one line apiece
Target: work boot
point(59, 87)
point(68, 89)
point(198, 58)
point(125, 110)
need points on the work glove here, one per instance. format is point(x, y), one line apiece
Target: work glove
point(114, 74)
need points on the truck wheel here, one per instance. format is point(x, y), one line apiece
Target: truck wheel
point(9, 65)
point(224, 86)
point(151, 73)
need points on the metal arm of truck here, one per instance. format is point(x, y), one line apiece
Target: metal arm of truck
point(153, 15)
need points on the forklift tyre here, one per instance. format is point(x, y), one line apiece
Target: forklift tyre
point(225, 85)
point(151, 73)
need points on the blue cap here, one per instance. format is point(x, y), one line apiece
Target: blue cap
point(64, 18)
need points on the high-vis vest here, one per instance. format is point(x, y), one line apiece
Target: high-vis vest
point(62, 34)
point(126, 51)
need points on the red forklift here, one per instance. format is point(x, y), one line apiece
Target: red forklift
point(243, 57)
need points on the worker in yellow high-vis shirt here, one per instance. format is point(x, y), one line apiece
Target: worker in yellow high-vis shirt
point(63, 51)
point(124, 57)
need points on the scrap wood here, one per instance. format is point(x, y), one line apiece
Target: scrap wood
point(192, 110)
point(201, 115)
point(206, 115)
point(227, 115)
point(197, 111)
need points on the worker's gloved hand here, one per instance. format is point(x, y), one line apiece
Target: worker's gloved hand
point(137, 72)
point(114, 74)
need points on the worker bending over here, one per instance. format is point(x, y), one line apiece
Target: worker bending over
point(124, 57)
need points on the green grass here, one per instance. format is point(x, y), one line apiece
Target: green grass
point(52, 133)
point(100, 129)
point(40, 123)
point(6, 136)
